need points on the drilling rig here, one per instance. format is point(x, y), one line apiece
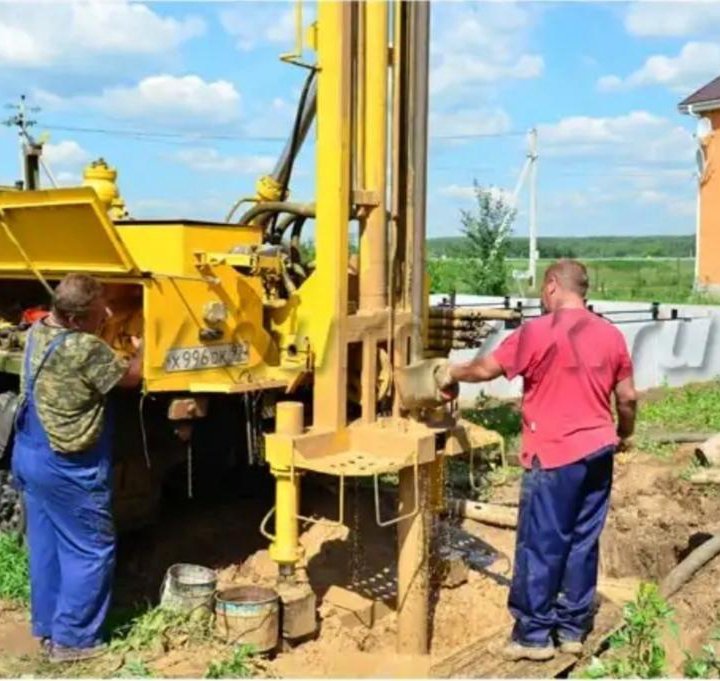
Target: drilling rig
point(232, 309)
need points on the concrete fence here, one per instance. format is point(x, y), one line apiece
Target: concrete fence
point(671, 353)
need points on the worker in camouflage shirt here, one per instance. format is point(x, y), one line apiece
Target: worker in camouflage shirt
point(62, 462)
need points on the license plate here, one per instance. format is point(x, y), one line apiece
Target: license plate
point(206, 357)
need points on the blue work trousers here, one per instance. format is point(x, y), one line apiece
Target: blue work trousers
point(562, 513)
point(70, 532)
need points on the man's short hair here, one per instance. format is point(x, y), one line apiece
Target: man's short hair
point(75, 294)
point(570, 274)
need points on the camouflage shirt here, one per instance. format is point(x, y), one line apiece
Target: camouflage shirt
point(71, 387)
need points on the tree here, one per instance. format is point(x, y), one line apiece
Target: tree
point(487, 230)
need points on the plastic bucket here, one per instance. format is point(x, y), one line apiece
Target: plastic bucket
point(188, 588)
point(250, 615)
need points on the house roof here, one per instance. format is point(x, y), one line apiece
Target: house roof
point(707, 98)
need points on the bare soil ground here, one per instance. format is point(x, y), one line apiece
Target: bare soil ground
point(655, 520)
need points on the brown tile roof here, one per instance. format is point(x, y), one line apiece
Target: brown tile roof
point(707, 93)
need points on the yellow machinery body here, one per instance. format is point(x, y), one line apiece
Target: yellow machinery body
point(220, 313)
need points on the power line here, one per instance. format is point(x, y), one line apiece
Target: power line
point(190, 136)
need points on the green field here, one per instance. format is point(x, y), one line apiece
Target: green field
point(646, 279)
point(665, 246)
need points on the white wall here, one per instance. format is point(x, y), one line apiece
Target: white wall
point(664, 353)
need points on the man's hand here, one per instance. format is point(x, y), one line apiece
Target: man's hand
point(447, 384)
point(625, 444)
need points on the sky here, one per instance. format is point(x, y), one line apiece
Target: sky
point(191, 103)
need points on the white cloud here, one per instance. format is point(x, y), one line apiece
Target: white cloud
point(692, 67)
point(210, 206)
point(66, 178)
point(480, 44)
point(465, 192)
point(49, 35)
point(638, 136)
point(161, 98)
point(253, 25)
point(671, 19)
point(669, 201)
point(65, 154)
point(461, 122)
point(206, 159)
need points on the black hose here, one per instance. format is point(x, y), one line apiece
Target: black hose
point(295, 142)
point(303, 209)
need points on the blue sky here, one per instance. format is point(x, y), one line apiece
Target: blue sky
point(600, 81)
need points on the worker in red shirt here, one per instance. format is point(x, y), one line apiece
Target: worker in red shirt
point(572, 361)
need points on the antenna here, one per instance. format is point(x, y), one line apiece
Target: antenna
point(30, 149)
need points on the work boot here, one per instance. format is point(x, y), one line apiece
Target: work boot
point(515, 651)
point(571, 647)
point(45, 645)
point(59, 654)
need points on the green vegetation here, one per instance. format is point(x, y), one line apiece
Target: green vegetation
point(706, 665)
point(134, 669)
point(234, 667)
point(486, 232)
point(14, 575)
point(682, 246)
point(161, 629)
point(692, 407)
point(646, 280)
point(636, 650)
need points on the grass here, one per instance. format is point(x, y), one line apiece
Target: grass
point(158, 628)
point(637, 650)
point(134, 669)
point(236, 666)
point(14, 575)
point(692, 407)
point(644, 279)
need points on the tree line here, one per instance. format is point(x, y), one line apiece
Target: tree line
point(674, 246)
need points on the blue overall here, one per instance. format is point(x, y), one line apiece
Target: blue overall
point(69, 525)
point(562, 513)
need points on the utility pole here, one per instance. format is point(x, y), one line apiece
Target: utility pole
point(533, 255)
point(30, 149)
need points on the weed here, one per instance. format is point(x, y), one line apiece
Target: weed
point(234, 667)
point(637, 651)
point(14, 574)
point(161, 628)
point(692, 407)
point(661, 450)
point(689, 470)
point(702, 666)
point(134, 669)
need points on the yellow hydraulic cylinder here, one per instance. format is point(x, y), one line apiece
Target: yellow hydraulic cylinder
point(285, 549)
point(373, 236)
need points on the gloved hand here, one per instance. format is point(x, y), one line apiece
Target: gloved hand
point(447, 385)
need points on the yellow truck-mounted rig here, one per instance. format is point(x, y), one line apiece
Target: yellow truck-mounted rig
point(232, 309)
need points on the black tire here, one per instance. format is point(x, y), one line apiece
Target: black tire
point(12, 509)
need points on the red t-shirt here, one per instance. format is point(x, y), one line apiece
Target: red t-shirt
point(570, 362)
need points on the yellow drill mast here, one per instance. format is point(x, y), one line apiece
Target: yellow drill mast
point(372, 96)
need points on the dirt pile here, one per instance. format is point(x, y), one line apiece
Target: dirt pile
point(656, 517)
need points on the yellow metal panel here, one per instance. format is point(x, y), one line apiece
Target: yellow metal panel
point(61, 230)
point(169, 247)
point(173, 312)
point(333, 202)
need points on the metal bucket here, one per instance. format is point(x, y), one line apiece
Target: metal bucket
point(250, 615)
point(188, 588)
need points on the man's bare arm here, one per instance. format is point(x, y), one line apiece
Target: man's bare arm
point(479, 369)
point(626, 407)
point(133, 375)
